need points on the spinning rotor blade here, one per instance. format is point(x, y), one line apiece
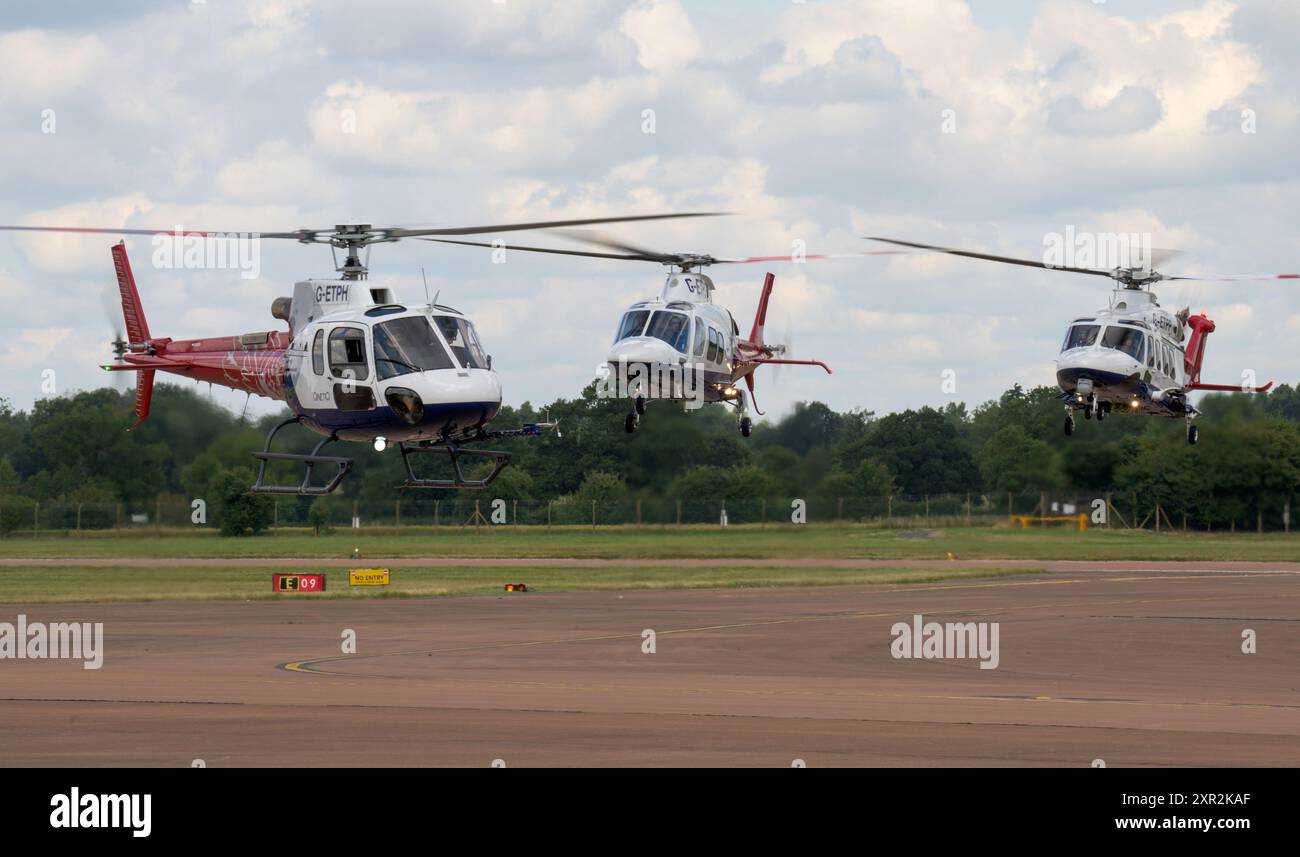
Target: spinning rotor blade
point(1010, 260)
point(633, 253)
point(362, 234)
point(541, 250)
point(1158, 257)
point(1238, 278)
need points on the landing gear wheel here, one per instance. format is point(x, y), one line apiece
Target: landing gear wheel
point(630, 424)
point(1069, 426)
point(1087, 413)
point(1193, 434)
point(746, 426)
point(640, 405)
point(1101, 413)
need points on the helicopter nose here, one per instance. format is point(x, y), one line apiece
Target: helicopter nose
point(643, 349)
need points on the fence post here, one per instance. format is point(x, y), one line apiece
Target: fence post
point(1010, 511)
point(36, 519)
point(927, 510)
point(548, 515)
point(889, 506)
point(638, 513)
point(968, 510)
point(1259, 519)
point(275, 513)
point(514, 511)
point(157, 513)
point(1108, 508)
point(1157, 517)
point(763, 506)
point(78, 517)
point(679, 513)
point(397, 513)
point(839, 510)
point(593, 514)
point(436, 504)
point(118, 525)
point(1286, 516)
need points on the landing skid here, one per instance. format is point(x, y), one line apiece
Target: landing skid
point(454, 450)
point(304, 488)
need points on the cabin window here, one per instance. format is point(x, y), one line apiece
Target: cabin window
point(348, 353)
point(463, 340)
point(407, 345)
point(670, 327)
point(715, 346)
point(1081, 336)
point(633, 324)
point(318, 353)
point(699, 338)
point(1126, 339)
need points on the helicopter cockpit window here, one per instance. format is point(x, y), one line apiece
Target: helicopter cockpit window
point(1126, 339)
point(318, 353)
point(632, 325)
point(671, 327)
point(348, 353)
point(463, 339)
point(1081, 336)
point(407, 345)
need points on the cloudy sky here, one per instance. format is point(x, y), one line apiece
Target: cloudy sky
point(982, 123)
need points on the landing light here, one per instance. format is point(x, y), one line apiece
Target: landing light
point(380, 444)
point(1134, 404)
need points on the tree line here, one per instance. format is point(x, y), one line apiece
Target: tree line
point(75, 450)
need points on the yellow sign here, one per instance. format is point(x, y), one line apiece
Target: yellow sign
point(368, 577)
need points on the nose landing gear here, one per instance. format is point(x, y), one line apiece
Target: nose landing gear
point(1193, 433)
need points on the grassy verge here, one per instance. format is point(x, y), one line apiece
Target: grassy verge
point(21, 585)
point(736, 542)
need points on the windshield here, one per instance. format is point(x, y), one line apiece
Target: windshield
point(1124, 339)
point(1081, 336)
point(408, 345)
point(464, 343)
point(633, 324)
point(671, 327)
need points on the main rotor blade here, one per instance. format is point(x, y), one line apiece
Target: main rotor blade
point(601, 240)
point(200, 233)
point(543, 224)
point(540, 249)
point(1010, 260)
point(744, 260)
point(1238, 278)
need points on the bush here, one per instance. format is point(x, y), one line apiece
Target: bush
point(318, 516)
point(15, 513)
point(239, 512)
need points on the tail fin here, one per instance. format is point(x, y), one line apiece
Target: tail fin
point(1194, 356)
point(760, 317)
point(137, 330)
point(143, 396)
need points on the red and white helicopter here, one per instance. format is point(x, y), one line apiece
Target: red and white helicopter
point(1133, 356)
point(680, 345)
point(354, 364)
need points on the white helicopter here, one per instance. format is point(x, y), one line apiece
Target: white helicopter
point(1133, 356)
point(680, 345)
point(354, 365)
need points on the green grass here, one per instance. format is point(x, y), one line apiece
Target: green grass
point(25, 585)
point(736, 542)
